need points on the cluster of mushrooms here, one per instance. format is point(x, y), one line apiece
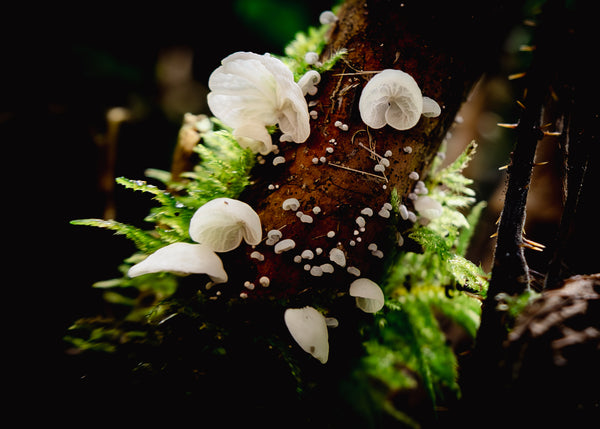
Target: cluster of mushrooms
point(250, 92)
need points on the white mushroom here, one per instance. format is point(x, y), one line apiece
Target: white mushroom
point(222, 223)
point(336, 255)
point(369, 296)
point(291, 204)
point(308, 82)
point(309, 329)
point(393, 97)
point(428, 207)
point(250, 92)
point(182, 258)
point(284, 245)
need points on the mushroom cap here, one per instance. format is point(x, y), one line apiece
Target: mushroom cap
point(368, 294)
point(391, 97)
point(223, 222)
point(428, 207)
point(250, 90)
point(183, 258)
point(309, 329)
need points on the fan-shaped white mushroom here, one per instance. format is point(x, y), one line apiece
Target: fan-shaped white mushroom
point(223, 222)
point(251, 91)
point(369, 296)
point(309, 329)
point(182, 258)
point(393, 97)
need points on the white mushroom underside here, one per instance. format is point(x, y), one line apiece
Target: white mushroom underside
point(183, 258)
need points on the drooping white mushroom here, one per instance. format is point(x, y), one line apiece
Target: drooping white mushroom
point(394, 98)
point(369, 296)
point(309, 329)
point(182, 258)
point(222, 223)
point(428, 207)
point(250, 92)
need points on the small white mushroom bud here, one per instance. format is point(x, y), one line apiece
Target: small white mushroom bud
point(284, 245)
point(337, 256)
point(291, 204)
point(327, 17)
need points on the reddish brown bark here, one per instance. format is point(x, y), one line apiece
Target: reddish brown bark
point(377, 35)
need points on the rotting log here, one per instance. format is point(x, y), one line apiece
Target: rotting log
point(446, 49)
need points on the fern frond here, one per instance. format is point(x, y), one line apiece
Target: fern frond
point(144, 240)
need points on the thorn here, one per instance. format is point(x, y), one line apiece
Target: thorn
point(552, 133)
point(529, 23)
point(521, 105)
point(357, 171)
point(537, 164)
point(504, 167)
point(515, 76)
point(505, 125)
point(495, 234)
point(526, 48)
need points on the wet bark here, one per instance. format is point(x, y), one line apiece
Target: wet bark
point(334, 169)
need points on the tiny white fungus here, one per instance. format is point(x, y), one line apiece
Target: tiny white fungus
point(323, 160)
point(329, 149)
point(316, 271)
point(337, 256)
point(257, 255)
point(403, 211)
point(318, 250)
point(264, 281)
point(311, 57)
point(284, 245)
point(360, 221)
point(291, 204)
point(307, 254)
point(307, 267)
point(337, 124)
point(407, 149)
point(372, 247)
point(313, 114)
point(354, 271)
point(274, 235)
point(243, 295)
point(332, 322)
point(331, 234)
point(278, 160)
point(378, 254)
point(315, 160)
point(316, 210)
point(384, 213)
point(297, 259)
point(387, 206)
point(367, 211)
point(413, 175)
point(379, 168)
point(327, 17)
point(388, 153)
point(306, 218)
point(327, 268)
